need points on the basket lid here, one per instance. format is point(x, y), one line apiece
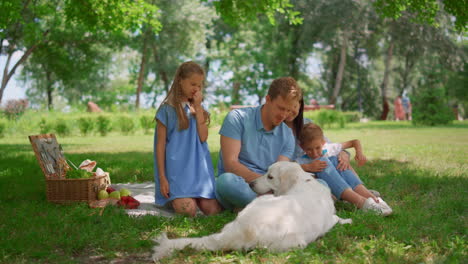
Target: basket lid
point(50, 156)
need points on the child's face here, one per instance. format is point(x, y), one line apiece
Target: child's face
point(313, 148)
point(191, 85)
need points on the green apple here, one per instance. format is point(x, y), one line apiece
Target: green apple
point(125, 192)
point(115, 194)
point(102, 195)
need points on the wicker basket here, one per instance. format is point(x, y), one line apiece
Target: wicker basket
point(52, 162)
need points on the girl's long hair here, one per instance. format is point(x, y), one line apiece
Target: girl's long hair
point(175, 94)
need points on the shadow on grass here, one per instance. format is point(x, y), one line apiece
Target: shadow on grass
point(429, 210)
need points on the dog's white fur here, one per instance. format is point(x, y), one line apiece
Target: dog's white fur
point(300, 211)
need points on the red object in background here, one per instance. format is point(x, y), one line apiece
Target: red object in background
point(110, 189)
point(129, 202)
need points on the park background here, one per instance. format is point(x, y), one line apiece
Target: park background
point(122, 55)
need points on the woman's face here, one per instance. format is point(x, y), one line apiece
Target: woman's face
point(294, 112)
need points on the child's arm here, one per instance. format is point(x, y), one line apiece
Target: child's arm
point(356, 144)
point(161, 158)
point(202, 127)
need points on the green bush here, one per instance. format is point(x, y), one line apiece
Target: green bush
point(86, 125)
point(44, 126)
point(103, 125)
point(62, 128)
point(147, 123)
point(430, 108)
point(328, 118)
point(2, 128)
point(351, 117)
point(126, 125)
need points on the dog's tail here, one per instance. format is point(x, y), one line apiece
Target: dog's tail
point(342, 221)
point(166, 246)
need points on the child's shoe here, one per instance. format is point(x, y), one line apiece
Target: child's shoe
point(387, 209)
point(379, 208)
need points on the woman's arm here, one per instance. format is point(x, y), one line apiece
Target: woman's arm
point(356, 144)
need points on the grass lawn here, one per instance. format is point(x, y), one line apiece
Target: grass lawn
point(421, 172)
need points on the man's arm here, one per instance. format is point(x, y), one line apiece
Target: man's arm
point(230, 149)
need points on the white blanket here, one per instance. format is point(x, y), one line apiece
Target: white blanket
point(144, 193)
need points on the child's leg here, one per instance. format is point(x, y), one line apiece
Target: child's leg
point(209, 206)
point(353, 180)
point(185, 206)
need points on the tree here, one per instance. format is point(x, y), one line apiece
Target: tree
point(425, 11)
point(28, 24)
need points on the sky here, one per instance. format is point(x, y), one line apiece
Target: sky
point(13, 89)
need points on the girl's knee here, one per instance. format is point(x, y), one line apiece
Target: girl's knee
point(185, 206)
point(210, 206)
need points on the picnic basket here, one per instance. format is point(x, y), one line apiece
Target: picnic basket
point(59, 189)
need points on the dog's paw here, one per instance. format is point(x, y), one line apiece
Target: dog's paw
point(161, 238)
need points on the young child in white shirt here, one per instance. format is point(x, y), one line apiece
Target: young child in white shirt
point(344, 185)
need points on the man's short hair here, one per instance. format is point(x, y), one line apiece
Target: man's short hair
point(310, 132)
point(286, 87)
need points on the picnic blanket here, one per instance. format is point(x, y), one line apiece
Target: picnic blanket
point(144, 193)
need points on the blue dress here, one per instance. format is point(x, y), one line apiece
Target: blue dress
point(189, 169)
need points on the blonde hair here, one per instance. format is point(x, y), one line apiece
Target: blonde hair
point(310, 132)
point(286, 87)
point(173, 98)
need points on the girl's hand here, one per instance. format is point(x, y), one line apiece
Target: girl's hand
point(164, 187)
point(197, 99)
point(360, 158)
point(317, 165)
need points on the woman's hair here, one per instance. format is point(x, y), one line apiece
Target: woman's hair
point(298, 122)
point(286, 87)
point(310, 132)
point(175, 93)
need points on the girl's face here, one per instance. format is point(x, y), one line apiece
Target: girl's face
point(191, 85)
point(294, 112)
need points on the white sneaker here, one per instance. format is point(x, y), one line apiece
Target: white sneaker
point(379, 208)
point(387, 209)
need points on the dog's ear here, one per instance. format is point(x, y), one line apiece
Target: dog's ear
point(287, 180)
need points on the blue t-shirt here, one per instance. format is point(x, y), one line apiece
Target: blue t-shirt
point(188, 165)
point(259, 148)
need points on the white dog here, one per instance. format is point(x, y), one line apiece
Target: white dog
point(300, 211)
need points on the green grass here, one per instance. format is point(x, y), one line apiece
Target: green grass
point(421, 172)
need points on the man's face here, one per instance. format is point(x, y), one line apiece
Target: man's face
point(313, 148)
point(279, 109)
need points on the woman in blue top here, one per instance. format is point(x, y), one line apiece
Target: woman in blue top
point(183, 169)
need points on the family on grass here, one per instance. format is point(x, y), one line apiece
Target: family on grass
point(252, 139)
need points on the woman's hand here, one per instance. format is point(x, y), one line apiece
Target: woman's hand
point(316, 166)
point(343, 161)
point(164, 187)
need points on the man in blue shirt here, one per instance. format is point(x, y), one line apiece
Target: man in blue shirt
point(252, 139)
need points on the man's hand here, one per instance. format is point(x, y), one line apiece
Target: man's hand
point(164, 187)
point(343, 161)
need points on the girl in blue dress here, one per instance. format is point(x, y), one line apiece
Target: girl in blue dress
point(183, 169)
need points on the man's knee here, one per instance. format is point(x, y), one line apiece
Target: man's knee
point(226, 180)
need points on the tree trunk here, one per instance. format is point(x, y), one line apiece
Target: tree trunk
point(295, 52)
point(388, 65)
point(235, 93)
point(7, 75)
point(141, 74)
point(339, 75)
point(49, 90)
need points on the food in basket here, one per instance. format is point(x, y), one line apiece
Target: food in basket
point(103, 194)
point(88, 165)
point(78, 174)
point(110, 189)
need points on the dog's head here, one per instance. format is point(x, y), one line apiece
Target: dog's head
point(280, 177)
